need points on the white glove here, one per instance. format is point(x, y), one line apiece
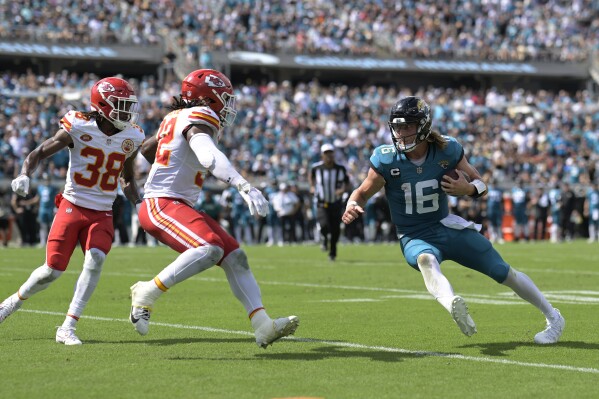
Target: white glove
point(20, 185)
point(254, 198)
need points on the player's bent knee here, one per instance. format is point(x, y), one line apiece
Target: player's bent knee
point(426, 260)
point(237, 258)
point(94, 260)
point(212, 252)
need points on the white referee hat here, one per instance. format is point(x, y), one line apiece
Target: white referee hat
point(326, 147)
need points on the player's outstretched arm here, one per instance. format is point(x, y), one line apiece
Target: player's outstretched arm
point(213, 160)
point(20, 185)
point(51, 146)
point(355, 205)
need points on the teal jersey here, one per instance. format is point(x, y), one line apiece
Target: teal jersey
point(414, 192)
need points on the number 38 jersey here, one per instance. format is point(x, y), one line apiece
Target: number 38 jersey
point(96, 161)
point(414, 192)
point(176, 171)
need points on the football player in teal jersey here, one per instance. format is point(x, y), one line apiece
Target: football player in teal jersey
point(413, 173)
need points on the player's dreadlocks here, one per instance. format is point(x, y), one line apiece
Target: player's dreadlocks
point(179, 103)
point(91, 114)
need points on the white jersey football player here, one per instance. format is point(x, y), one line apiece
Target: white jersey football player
point(182, 153)
point(102, 146)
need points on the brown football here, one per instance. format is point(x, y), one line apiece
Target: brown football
point(453, 173)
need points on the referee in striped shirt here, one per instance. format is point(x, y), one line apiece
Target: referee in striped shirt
point(328, 182)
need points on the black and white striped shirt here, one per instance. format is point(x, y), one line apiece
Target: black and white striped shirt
point(327, 180)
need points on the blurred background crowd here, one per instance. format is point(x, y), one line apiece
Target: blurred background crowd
point(536, 146)
point(487, 29)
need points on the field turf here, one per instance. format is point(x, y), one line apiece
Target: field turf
point(369, 329)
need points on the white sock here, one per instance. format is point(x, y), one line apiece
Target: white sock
point(69, 322)
point(190, 263)
point(86, 284)
point(16, 299)
point(242, 281)
point(259, 318)
point(436, 283)
point(526, 289)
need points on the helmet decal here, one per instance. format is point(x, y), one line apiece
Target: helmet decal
point(214, 81)
point(214, 90)
point(106, 87)
point(409, 110)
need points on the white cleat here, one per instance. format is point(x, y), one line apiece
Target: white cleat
point(67, 336)
point(272, 330)
point(459, 313)
point(9, 306)
point(140, 318)
point(141, 306)
point(554, 330)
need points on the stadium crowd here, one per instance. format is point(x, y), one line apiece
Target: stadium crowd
point(544, 141)
point(492, 30)
point(539, 139)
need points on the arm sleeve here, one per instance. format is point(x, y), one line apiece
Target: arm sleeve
point(214, 160)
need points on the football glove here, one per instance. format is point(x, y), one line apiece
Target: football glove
point(254, 198)
point(20, 185)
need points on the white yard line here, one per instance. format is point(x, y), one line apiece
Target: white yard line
point(588, 370)
point(582, 297)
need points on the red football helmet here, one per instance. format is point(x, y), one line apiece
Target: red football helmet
point(215, 89)
point(115, 100)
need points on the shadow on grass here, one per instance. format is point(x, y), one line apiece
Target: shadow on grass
point(329, 352)
point(321, 353)
point(172, 341)
point(500, 348)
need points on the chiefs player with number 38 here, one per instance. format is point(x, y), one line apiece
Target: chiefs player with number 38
point(182, 153)
point(102, 144)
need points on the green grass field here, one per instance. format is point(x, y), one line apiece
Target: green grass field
point(369, 329)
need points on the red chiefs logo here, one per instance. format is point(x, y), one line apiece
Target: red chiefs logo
point(86, 138)
point(214, 81)
point(105, 86)
point(127, 146)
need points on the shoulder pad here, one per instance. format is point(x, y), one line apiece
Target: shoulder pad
point(385, 154)
point(71, 119)
point(203, 116)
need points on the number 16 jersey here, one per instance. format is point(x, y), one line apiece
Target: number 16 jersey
point(416, 199)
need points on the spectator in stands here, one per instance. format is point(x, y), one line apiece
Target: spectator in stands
point(5, 213)
point(25, 209)
point(540, 201)
point(520, 206)
point(592, 212)
point(286, 204)
point(46, 192)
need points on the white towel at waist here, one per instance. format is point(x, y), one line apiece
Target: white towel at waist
point(457, 223)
